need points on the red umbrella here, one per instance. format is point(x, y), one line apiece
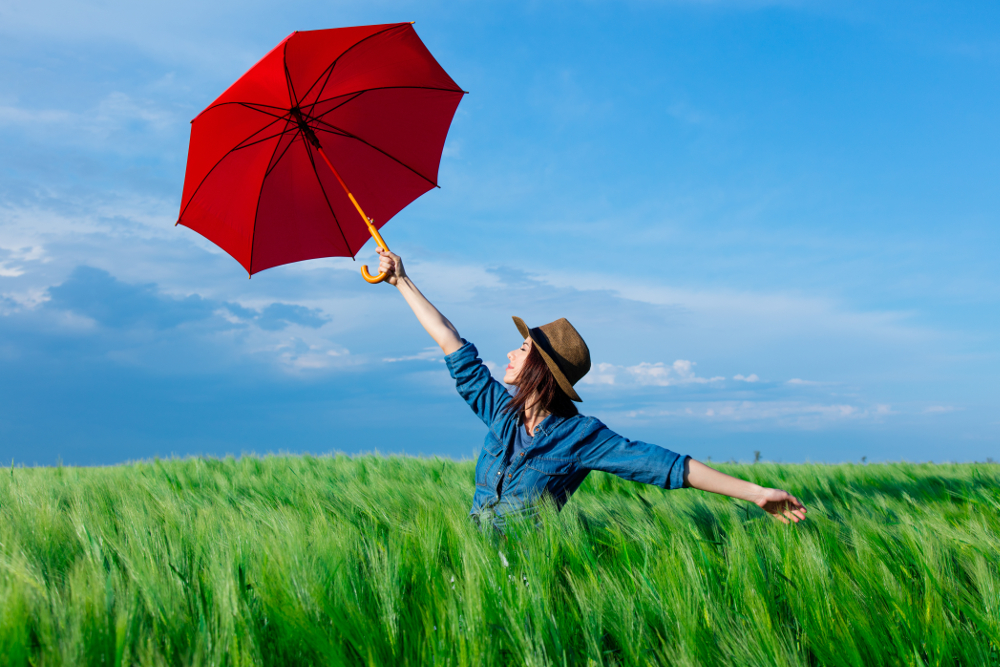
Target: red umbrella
point(273, 162)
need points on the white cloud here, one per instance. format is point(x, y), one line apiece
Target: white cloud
point(111, 116)
point(646, 374)
point(939, 409)
point(755, 314)
point(26, 230)
point(428, 354)
point(27, 299)
point(496, 370)
point(749, 378)
point(601, 374)
point(33, 117)
point(163, 30)
point(13, 259)
point(801, 382)
point(792, 414)
point(295, 350)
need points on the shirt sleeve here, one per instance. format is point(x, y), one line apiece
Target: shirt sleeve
point(475, 384)
point(636, 461)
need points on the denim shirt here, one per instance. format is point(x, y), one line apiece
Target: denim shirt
point(563, 451)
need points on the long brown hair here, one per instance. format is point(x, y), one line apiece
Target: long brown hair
point(535, 379)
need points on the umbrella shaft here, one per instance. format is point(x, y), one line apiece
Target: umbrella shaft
point(371, 227)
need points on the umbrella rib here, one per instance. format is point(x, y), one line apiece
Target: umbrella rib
point(288, 75)
point(345, 133)
point(349, 96)
point(242, 145)
point(228, 153)
point(195, 193)
point(328, 72)
point(260, 194)
point(249, 105)
point(266, 113)
point(357, 93)
point(274, 163)
point(319, 180)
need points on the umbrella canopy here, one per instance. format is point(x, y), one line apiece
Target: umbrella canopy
point(273, 162)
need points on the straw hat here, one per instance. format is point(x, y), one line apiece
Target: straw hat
point(563, 350)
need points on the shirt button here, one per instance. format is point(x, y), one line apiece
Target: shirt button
point(522, 453)
point(508, 475)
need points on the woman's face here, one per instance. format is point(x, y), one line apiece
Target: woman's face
point(516, 358)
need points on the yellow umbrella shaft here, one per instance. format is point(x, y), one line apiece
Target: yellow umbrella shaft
point(371, 228)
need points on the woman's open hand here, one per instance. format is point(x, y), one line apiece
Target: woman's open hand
point(391, 264)
point(780, 504)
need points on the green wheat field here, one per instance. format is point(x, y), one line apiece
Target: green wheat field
point(370, 560)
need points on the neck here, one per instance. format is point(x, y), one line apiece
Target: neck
point(533, 416)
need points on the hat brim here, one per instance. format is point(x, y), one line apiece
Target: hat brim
point(557, 373)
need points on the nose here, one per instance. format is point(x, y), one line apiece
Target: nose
point(510, 356)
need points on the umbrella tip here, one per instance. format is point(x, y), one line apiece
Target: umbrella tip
point(412, 22)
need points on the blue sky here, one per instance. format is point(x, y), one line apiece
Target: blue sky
point(775, 223)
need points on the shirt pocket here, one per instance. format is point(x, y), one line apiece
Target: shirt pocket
point(489, 462)
point(551, 467)
point(543, 475)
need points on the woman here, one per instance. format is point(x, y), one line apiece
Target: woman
point(538, 443)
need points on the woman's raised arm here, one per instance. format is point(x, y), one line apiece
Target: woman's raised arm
point(437, 325)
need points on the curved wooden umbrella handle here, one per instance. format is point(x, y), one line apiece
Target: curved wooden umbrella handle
point(369, 278)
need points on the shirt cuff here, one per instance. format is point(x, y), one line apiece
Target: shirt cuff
point(454, 361)
point(676, 475)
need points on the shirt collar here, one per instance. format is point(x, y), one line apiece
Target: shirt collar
point(550, 423)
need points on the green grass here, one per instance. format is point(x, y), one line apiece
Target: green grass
point(291, 560)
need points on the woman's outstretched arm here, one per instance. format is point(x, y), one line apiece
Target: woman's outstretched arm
point(776, 502)
point(437, 325)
